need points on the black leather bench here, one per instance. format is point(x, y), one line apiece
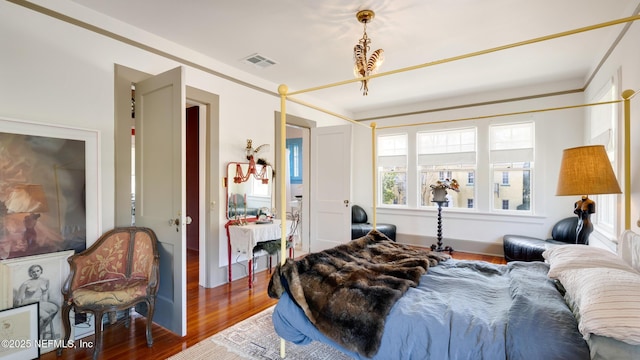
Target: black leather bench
point(527, 248)
point(360, 227)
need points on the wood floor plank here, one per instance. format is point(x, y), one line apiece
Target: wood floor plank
point(209, 311)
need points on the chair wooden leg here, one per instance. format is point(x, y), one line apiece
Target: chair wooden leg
point(98, 334)
point(66, 324)
point(150, 310)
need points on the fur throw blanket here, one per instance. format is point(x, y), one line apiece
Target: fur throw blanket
point(347, 291)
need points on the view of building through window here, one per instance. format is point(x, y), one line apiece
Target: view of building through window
point(461, 199)
point(512, 190)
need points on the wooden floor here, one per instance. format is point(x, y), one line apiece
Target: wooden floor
point(208, 312)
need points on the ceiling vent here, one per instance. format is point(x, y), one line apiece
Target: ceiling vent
point(259, 61)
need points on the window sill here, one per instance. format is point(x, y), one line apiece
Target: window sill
point(462, 213)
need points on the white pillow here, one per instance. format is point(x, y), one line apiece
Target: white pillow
point(607, 302)
point(629, 248)
point(569, 257)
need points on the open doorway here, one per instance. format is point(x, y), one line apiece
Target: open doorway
point(193, 177)
point(194, 112)
point(298, 192)
point(297, 141)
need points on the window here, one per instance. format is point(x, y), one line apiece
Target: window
point(410, 162)
point(511, 157)
point(471, 178)
point(294, 145)
point(505, 178)
point(447, 154)
point(603, 131)
point(444, 175)
point(392, 169)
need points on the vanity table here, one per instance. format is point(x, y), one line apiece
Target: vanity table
point(241, 239)
point(249, 194)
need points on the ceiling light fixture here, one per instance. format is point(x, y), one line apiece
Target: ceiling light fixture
point(365, 66)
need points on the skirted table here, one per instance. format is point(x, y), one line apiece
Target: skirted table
point(243, 238)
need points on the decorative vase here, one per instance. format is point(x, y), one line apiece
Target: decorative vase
point(439, 194)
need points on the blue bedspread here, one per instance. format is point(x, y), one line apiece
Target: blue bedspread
point(466, 310)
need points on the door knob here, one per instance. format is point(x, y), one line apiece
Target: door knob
point(175, 222)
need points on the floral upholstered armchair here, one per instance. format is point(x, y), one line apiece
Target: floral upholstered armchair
point(117, 272)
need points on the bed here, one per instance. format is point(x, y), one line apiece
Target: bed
point(559, 309)
point(438, 308)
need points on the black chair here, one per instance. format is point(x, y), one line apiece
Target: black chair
point(527, 248)
point(360, 227)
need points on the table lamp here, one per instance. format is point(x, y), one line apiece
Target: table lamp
point(586, 170)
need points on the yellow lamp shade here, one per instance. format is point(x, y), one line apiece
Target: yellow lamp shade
point(586, 170)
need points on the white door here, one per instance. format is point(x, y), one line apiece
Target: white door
point(330, 223)
point(160, 187)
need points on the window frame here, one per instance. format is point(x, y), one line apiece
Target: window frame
point(605, 218)
point(505, 157)
point(462, 157)
point(294, 145)
point(396, 161)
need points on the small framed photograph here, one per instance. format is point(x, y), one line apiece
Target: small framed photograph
point(19, 332)
point(39, 279)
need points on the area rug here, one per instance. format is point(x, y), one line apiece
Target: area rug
point(255, 338)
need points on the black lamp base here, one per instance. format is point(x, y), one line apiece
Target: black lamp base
point(584, 208)
point(439, 247)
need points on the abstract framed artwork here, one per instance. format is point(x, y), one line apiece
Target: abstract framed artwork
point(19, 332)
point(39, 279)
point(49, 198)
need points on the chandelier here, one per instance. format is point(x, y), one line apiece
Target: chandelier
point(260, 174)
point(365, 66)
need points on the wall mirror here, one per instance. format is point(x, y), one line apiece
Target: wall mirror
point(249, 196)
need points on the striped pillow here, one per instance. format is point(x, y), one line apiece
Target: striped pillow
point(606, 302)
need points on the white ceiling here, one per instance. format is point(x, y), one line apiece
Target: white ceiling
point(312, 42)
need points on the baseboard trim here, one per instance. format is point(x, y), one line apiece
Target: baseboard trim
point(476, 247)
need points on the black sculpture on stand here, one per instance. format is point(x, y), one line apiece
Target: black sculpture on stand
point(439, 191)
point(584, 208)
